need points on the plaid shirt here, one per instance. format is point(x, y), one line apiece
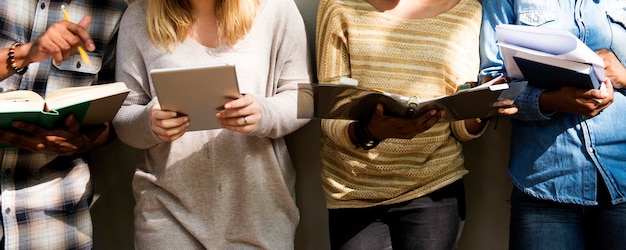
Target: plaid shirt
point(45, 198)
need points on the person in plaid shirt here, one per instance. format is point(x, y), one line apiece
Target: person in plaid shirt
point(44, 174)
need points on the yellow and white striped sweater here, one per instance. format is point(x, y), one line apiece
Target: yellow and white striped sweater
point(424, 57)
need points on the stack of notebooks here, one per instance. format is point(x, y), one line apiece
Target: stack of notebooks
point(548, 58)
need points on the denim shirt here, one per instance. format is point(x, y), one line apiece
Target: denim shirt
point(557, 156)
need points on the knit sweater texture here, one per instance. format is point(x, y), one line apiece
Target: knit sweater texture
point(424, 57)
point(217, 189)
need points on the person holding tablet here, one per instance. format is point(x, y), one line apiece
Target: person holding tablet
point(226, 188)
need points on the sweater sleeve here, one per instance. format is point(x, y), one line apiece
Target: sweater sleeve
point(332, 64)
point(132, 122)
point(290, 66)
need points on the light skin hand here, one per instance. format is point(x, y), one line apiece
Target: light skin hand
point(577, 100)
point(383, 127)
point(167, 125)
point(613, 69)
point(58, 42)
point(232, 117)
point(63, 140)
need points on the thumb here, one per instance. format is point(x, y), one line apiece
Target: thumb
point(380, 109)
point(72, 124)
point(84, 23)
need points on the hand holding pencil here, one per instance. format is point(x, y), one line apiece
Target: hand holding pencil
point(59, 42)
point(81, 50)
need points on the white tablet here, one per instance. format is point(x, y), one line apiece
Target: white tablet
point(198, 92)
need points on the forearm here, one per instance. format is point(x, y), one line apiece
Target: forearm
point(132, 126)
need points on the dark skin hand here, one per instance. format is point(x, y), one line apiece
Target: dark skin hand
point(67, 139)
point(58, 42)
point(383, 127)
point(613, 68)
point(587, 102)
point(61, 40)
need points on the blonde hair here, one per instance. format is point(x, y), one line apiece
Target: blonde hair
point(170, 21)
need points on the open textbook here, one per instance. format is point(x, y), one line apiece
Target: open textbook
point(90, 105)
point(548, 57)
point(343, 101)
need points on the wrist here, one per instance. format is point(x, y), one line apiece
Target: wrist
point(363, 137)
point(16, 59)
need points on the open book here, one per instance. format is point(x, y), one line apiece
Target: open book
point(91, 105)
point(342, 101)
point(198, 92)
point(548, 58)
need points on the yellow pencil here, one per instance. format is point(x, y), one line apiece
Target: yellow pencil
point(81, 50)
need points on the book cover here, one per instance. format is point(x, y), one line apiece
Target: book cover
point(548, 57)
point(339, 101)
point(90, 105)
point(547, 76)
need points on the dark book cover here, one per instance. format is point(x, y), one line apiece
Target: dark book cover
point(553, 77)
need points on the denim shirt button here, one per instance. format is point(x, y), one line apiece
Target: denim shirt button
point(536, 18)
point(590, 150)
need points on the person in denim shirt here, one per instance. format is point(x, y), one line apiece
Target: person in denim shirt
point(568, 152)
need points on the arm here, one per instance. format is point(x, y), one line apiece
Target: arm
point(533, 103)
point(275, 114)
point(501, 12)
point(280, 110)
point(58, 42)
point(613, 68)
point(133, 124)
point(332, 64)
point(583, 101)
point(66, 140)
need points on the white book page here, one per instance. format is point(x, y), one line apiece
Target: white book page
point(556, 42)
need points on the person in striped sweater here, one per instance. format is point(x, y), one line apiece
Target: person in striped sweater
point(392, 181)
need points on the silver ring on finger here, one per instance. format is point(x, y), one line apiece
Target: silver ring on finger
point(245, 121)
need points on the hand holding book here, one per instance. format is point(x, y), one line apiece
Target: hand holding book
point(67, 138)
point(340, 101)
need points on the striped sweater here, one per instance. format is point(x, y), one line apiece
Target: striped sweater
point(424, 57)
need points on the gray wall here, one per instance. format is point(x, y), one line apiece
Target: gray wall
point(487, 186)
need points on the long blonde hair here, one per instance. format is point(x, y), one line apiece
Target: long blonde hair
point(170, 21)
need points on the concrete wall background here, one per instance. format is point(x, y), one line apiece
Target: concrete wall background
point(487, 186)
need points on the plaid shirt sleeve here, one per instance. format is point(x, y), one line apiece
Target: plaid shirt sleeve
point(45, 198)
